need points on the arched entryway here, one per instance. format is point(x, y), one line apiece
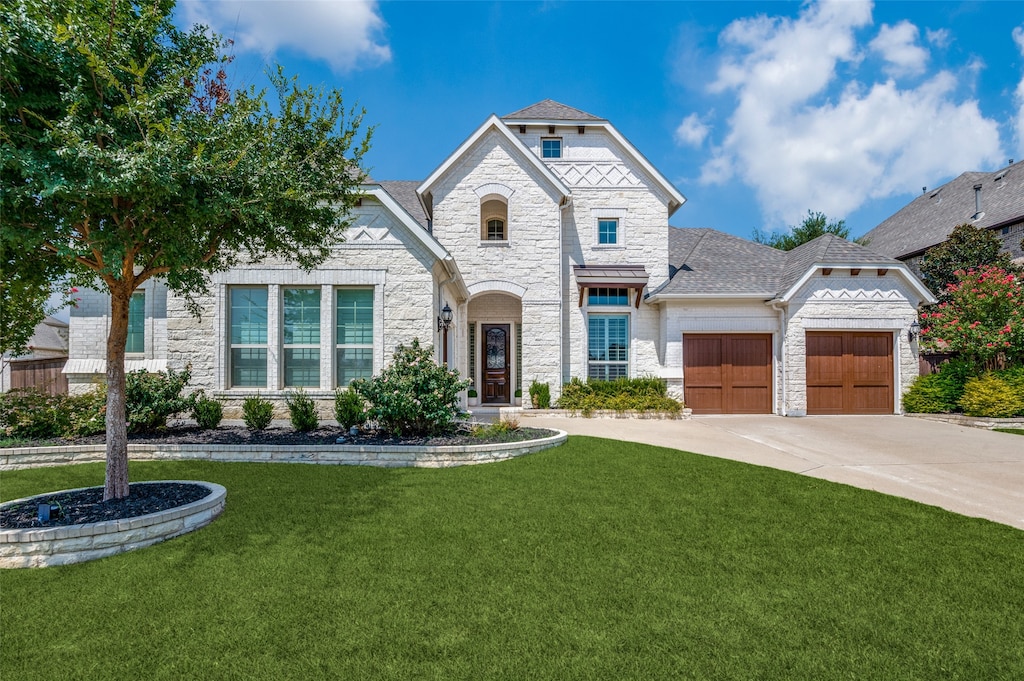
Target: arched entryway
point(494, 347)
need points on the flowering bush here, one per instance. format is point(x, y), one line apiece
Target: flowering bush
point(982, 320)
point(414, 395)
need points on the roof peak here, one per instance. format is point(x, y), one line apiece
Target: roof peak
point(550, 110)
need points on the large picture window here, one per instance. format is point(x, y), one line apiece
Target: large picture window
point(353, 335)
point(608, 347)
point(248, 337)
point(136, 341)
point(301, 337)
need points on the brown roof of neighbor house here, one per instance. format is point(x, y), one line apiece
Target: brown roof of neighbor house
point(708, 262)
point(404, 192)
point(928, 219)
point(550, 110)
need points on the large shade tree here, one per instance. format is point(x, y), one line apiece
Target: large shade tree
point(814, 225)
point(127, 156)
point(966, 247)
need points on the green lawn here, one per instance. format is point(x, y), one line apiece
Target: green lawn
point(1012, 431)
point(595, 560)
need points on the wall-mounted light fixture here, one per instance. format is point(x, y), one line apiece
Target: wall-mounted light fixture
point(914, 331)
point(444, 320)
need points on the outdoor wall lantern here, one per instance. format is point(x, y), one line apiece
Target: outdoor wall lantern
point(445, 319)
point(914, 332)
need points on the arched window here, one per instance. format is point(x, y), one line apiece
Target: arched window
point(493, 218)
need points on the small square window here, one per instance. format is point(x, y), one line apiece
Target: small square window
point(551, 147)
point(608, 231)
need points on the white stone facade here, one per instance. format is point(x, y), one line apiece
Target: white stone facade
point(597, 203)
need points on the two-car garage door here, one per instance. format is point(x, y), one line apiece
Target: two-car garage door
point(848, 372)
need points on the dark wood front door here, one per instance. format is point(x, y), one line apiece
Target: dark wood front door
point(495, 353)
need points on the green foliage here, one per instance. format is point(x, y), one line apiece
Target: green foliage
point(939, 393)
point(992, 396)
point(31, 415)
point(302, 411)
point(967, 247)
point(497, 429)
point(814, 225)
point(155, 397)
point(540, 395)
point(126, 155)
point(414, 395)
point(257, 412)
point(349, 408)
point(207, 411)
point(982, 319)
point(622, 394)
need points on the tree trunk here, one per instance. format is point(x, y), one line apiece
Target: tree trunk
point(116, 485)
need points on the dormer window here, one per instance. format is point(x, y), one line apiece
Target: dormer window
point(494, 218)
point(551, 147)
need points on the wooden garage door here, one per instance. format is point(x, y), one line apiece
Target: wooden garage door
point(728, 373)
point(849, 373)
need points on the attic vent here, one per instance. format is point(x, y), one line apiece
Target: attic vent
point(935, 193)
point(1000, 176)
point(522, 129)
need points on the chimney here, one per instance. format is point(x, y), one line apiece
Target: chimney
point(977, 202)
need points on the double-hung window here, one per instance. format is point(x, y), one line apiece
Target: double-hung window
point(301, 337)
point(136, 341)
point(608, 347)
point(248, 337)
point(353, 335)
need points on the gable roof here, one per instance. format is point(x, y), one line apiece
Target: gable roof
point(492, 123)
point(928, 219)
point(404, 192)
point(550, 110)
point(706, 263)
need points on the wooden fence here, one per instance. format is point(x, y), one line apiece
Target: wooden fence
point(41, 374)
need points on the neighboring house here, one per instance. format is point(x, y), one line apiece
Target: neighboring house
point(547, 235)
point(41, 367)
point(993, 201)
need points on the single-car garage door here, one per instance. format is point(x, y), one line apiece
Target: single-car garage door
point(728, 373)
point(849, 372)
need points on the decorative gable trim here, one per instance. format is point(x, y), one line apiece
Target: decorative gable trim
point(900, 269)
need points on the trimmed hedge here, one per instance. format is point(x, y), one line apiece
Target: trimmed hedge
point(623, 394)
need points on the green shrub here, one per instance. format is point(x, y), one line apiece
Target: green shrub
point(302, 411)
point(206, 411)
point(939, 393)
point(643, 394)
point(991, 396)
point(87, 413)
point(540, 395)
point(27, 414)
point(152, 398)
point(502, 427)
point(414, 395)
point(257, 412)
point(349, 408)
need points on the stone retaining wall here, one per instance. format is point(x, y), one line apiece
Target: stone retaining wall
point(45, 546)
point(972, 421)
point(362, 455)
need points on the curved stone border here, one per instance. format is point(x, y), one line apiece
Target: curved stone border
point(972, 421)
point(45, 546)
point(361, 455)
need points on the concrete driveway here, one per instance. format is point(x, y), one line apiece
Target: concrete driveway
point(965, 470)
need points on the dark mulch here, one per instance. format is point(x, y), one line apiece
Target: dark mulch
point(325, 435)
point(87, 505)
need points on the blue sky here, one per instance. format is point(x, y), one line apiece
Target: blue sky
point(757, 112)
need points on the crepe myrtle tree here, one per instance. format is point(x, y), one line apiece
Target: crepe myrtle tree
point(127, 156)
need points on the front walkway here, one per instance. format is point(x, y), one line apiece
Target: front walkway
point(965, 470)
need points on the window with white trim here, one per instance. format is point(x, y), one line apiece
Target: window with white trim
point(551, 147)
point(353, 335)
point(136, 341)
point(607, 347)
point(493, 218)
point(607, 231)
point(248, 337)
point(300, 337)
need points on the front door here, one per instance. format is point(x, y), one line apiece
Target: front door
point(496, 364)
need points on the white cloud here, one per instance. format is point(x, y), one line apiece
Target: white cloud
point(898, 46)
point(940, 38)
point(802, 145)
point(1018, 37)
point(692, 131)
point(346, 34)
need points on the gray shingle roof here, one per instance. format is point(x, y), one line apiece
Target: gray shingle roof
point(708, 262)
point(404, 192)
point(928, 219)
point(550, 110)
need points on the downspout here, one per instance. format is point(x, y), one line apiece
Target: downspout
point(780, 306)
